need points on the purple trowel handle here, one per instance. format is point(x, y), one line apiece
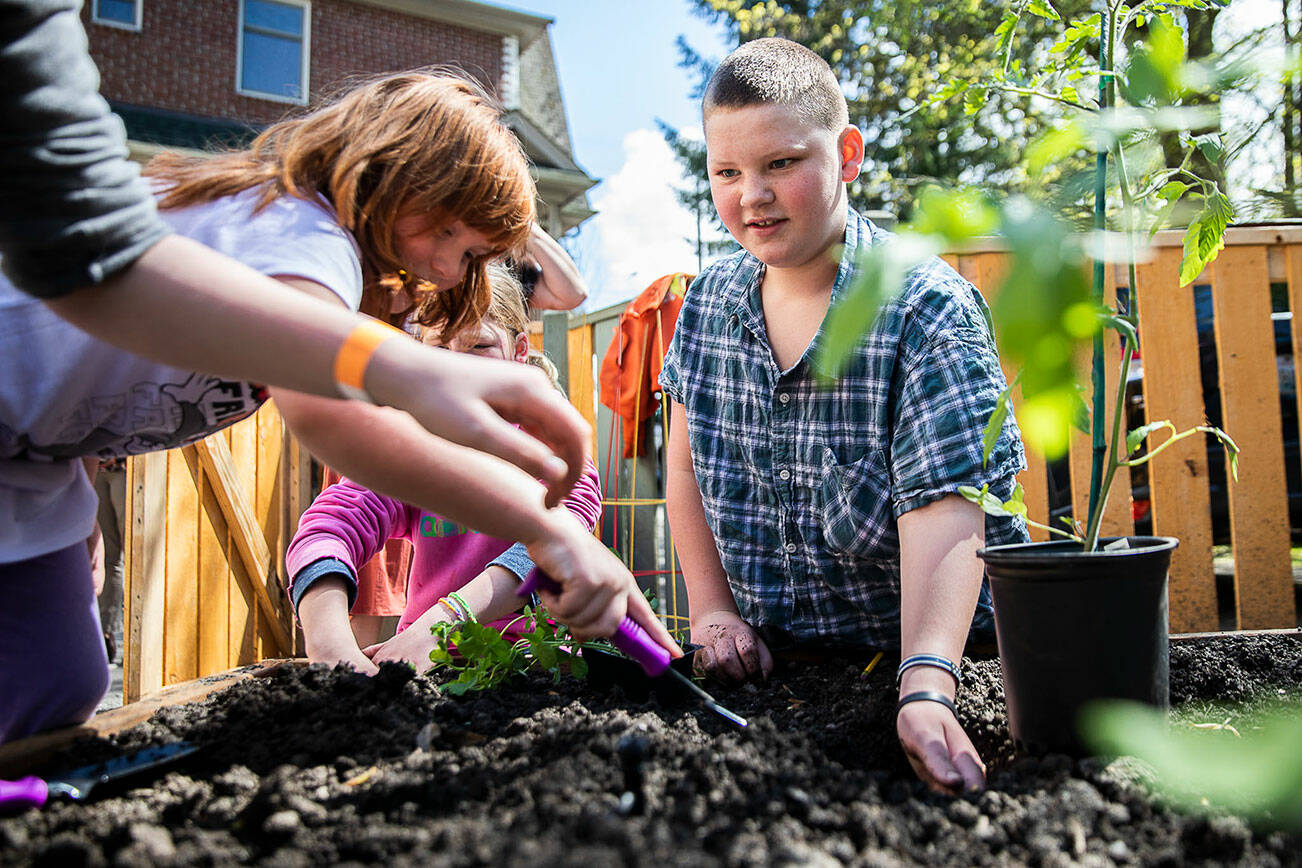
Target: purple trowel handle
point(21, 794)
point(637, 643)
point(629, 638)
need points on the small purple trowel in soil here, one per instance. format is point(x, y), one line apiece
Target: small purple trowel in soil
point(631, 639)
point(33, 792)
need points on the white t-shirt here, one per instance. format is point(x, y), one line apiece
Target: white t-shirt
point(65, 394)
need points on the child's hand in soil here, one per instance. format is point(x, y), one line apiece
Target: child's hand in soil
point(597, 591)
point(335, 653)
point(940, 752)
point(730, 649)
point(413, 645)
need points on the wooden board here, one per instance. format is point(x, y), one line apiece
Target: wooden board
point(1178, 477)
point(1259, 527)
point(145, 574)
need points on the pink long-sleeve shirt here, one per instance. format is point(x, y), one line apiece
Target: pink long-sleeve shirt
point(351, 524)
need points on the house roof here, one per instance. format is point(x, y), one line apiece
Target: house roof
point(524, 26)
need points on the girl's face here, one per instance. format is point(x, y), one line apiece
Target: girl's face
point(438, 252)
point(489, 340)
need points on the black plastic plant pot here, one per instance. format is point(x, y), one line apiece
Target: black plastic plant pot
point(1075, 627)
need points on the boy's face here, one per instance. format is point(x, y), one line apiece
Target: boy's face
point(778, 181)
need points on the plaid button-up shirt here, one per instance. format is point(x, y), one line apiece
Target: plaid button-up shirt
point(802, 483)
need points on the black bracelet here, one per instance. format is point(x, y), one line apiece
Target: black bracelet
point(927, 696)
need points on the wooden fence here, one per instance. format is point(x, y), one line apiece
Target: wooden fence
point(210, 523)
point(1258, 264)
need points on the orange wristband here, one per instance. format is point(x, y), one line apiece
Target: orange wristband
point(355, 355)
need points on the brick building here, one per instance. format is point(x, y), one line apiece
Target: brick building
point(198, 73)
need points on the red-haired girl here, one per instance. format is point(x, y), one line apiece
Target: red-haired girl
point(409, 180)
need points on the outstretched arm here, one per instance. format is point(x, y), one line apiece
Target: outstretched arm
point(940, 579)
point(730, 649)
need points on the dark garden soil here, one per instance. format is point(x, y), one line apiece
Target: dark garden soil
point(312, 766)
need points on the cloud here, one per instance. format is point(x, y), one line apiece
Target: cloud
point(641, 231)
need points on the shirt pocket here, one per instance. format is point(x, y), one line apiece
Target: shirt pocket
point(856, 512)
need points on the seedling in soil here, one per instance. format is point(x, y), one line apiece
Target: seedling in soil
point(483, 658)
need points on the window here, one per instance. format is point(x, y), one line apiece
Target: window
point(273, 49)
point(117, 13)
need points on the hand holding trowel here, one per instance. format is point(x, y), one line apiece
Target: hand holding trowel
point(634, 641)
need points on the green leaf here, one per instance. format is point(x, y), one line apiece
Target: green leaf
point(974, 100)
point(995, 424)
point(1054, 145)
point(1257, 775)
point(1004, 32)
point(1135, 438)
point(1173, 190)
point(1205, 236)
point(1044, 9)
point(989, 504)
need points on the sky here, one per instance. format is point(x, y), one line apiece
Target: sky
point(618, 68)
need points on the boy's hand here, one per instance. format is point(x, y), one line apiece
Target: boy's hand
point(940, 752)
point(597, 590)
point(730, 649)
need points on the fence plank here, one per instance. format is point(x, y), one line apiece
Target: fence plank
point(583, 392)
point(146, 574)
point(985, 271)
point(1245, 349)
point(1177, 479)
point(214, 580)
point(181, 631)
point(244, 528)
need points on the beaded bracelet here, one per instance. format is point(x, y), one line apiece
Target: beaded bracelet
point(456, 607)
point(927, 696)
point(468, 614)
point(933, 660)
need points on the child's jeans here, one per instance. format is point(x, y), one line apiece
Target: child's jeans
point(53, 666)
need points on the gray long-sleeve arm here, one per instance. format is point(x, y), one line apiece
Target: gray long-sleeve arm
point(73, 209)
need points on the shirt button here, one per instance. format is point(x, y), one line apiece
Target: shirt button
point(784, 398)
point(791, 548)
point(784, 474)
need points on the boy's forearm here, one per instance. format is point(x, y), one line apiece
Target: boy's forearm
point(703, 573)
point(940, 580)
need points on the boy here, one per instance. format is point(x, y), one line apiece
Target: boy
point(828, 514)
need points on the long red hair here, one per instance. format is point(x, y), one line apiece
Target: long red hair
point(424, 141)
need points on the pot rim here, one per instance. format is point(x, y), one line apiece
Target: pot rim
point(1058, 550)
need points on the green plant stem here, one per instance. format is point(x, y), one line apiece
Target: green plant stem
point(1113, 454)
point(1107, 39)
point(1174, 438)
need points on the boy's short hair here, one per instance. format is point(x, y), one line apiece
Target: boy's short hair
point(778, 71)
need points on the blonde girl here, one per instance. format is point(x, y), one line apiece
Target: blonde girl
point(456, 572)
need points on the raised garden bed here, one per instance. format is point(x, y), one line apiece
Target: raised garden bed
point(311, 766)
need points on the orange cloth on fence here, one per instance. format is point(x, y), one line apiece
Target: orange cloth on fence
point(382, 581)
point(630, 372)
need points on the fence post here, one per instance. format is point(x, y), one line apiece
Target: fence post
point(556, 343)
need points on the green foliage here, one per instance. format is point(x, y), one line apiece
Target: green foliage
point(483, 658)
point(1253, 772)
point(1046, 307)
point(896, 60)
